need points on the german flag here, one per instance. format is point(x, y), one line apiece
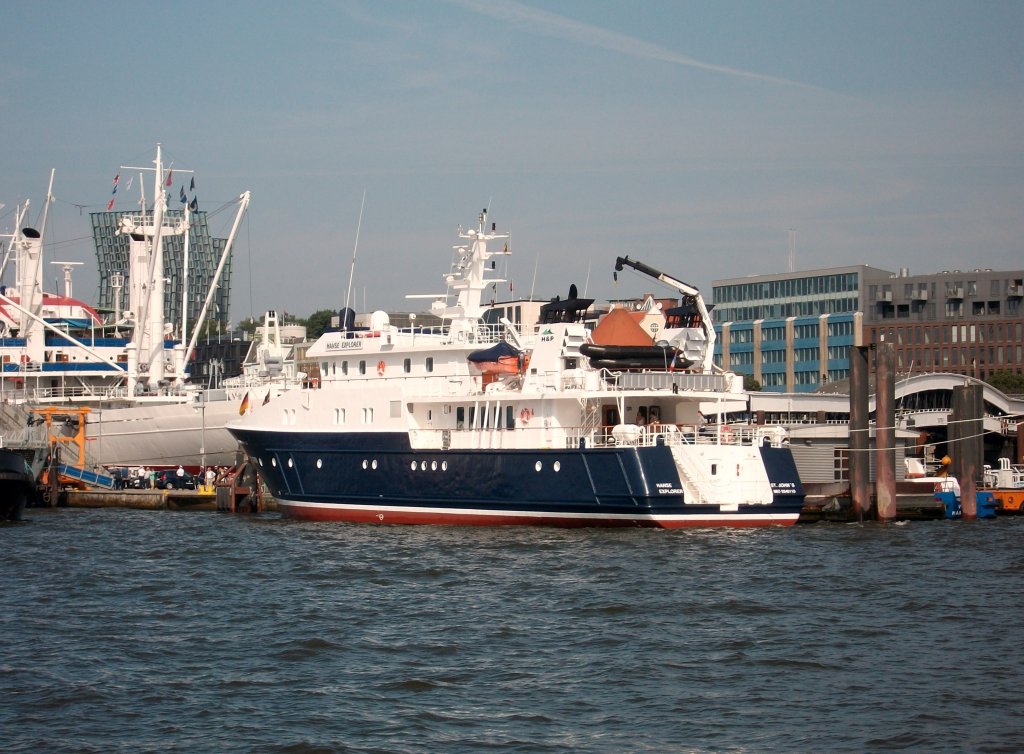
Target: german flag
point(245, 405)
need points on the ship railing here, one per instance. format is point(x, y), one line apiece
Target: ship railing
point(634, 435)
point(540, 436)
point(36, 436)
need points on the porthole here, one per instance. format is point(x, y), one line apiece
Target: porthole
point(273, 462)
point(412, 466)
point(319, 463)
point(538, 466)
point(373, 464)
point(365, 464)
point(557, 466)
point(423, 465)
point(433, 465)
point(444, 466)
point(289, 463)
point(260, 461)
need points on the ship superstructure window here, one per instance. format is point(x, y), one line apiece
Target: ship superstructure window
point(407, 366)
point(339, 416)
point(368, 415)
point(430, 363)
point(323, 367)
point(344, 367)
point(460, 417)
point(362, 367)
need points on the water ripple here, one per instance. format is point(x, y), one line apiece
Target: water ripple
point(136, 631)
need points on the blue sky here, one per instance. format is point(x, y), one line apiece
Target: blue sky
point(691, 135)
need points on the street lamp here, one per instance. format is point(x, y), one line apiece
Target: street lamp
point(201, 405)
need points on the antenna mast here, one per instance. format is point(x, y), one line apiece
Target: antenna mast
point(355, 249)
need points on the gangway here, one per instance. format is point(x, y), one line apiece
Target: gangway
point(91, 478)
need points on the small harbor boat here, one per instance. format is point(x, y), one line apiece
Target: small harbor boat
point(1006, 483)
point(946, 490)
point(405, 426)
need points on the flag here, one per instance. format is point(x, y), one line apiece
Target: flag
point(245, 405)
point(266, 398)
point(192, 185)
point(672, 364)
point(110, 204)
point(182, 197)
point(129, 186)
point(170, 177)
point(117, 179)
point(194, 205)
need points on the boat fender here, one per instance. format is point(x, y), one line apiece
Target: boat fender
point(525, 415)
point(380, 368)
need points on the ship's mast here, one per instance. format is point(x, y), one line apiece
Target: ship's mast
point(146, 270)
point(468, 276)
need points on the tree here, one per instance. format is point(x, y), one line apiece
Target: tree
point(750, 384)
point(249, 325)
point(1007, 382)
point(318, 322)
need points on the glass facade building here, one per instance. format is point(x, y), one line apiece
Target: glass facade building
point(792, 332)
point(204, 256)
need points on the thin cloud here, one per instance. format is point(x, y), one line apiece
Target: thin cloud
point(552, 25)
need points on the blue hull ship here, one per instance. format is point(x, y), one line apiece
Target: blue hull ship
point(402, 426)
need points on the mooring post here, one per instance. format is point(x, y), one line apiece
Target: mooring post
point(885, 431)
point(859, 463)
point(968, 405)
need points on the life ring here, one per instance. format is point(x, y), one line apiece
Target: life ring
point(525, 415)
point(380, 368)
point(727, 436)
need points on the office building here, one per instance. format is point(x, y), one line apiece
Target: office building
point(792, 331)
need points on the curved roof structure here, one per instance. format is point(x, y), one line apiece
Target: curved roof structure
point(925, 397)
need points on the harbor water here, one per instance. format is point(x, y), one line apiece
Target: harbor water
point(140, 631)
